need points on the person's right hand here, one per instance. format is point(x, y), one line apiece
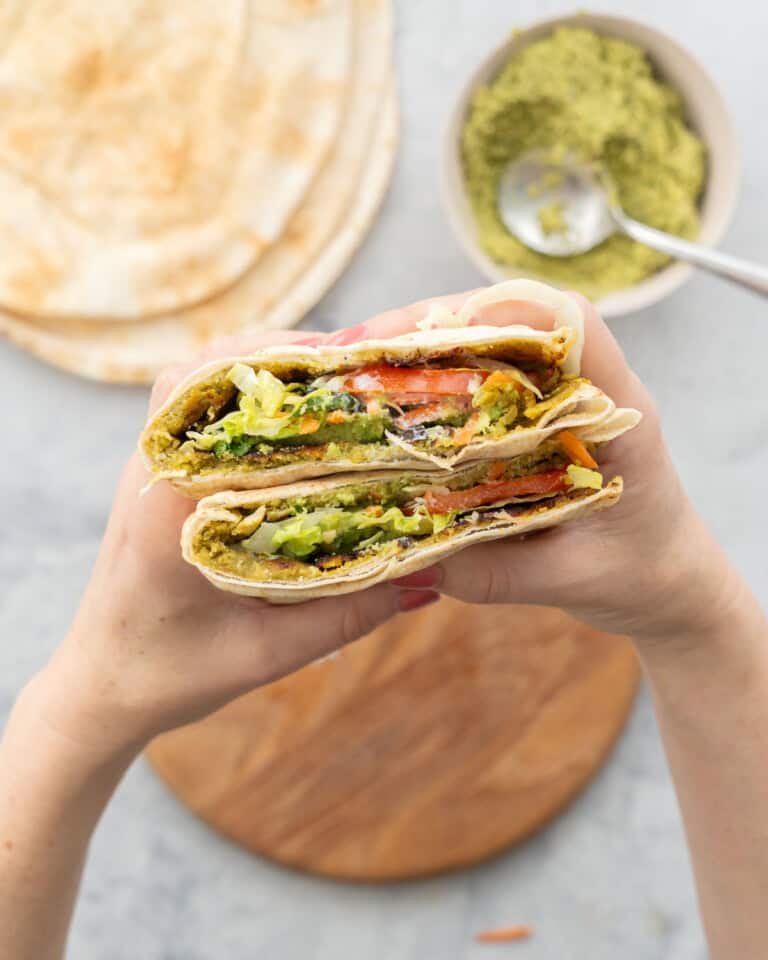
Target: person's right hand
point(647, 567)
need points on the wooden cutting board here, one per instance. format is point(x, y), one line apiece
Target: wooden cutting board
point(438, 740)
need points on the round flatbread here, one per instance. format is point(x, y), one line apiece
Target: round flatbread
point(151, 151)
point(318, 243)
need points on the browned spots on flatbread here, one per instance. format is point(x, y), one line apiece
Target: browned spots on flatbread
point(172, 163)
point(254, 239)
point(87, 73)
point(327, 90)
point(34, 280)
point(187, 277)
point(209, 321)
point(298, 229)
point(309, 7)
point(289, 142)
point(252, 92)
point(26, 141)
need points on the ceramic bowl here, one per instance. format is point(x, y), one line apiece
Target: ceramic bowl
point(706, 112)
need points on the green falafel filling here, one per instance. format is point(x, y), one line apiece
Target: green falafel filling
point(282, 538)
point(355, 416)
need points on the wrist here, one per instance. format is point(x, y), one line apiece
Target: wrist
point(40, 734)
point(69, 702)
point(720, 625)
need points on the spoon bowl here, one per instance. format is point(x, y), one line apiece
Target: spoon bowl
point(562, 208)
point(556, 208)
point(705, 110)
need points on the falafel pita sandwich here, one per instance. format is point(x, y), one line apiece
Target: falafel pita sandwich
point(450, 393)
point(345, 533)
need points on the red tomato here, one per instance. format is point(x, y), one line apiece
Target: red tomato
point(412, 380)
point(552, 481)
point(541, 377)
point(430, 412)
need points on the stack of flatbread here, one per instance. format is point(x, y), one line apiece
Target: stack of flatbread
point(173, 173)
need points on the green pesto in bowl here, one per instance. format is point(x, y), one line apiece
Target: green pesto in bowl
point(597, 98)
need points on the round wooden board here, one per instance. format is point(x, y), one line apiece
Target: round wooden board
point(438, 740)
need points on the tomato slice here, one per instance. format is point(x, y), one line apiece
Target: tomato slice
point(551, 481)
point(540, 377)
point(431, 412)
point(413, 380)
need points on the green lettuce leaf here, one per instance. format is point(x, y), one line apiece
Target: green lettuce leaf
point(335, 531)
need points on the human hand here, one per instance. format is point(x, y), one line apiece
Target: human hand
point(154, 645)
point(648, 567)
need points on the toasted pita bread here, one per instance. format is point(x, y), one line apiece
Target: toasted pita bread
point(216, 516)
point(291, 275)
point(152, 151)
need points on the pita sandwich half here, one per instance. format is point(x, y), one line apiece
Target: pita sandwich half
point(434, 399)
point(346, 533)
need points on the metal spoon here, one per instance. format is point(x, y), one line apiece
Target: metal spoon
point(579, 196)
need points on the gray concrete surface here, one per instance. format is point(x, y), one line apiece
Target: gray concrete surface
point(610, 878)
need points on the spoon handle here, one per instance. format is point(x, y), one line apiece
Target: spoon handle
point(750, 275)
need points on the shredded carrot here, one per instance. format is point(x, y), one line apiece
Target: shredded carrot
point(576, 449)
point(309, 425)
point(498, 378)
point(505, 935)
point(496, 470)
point(336, 416)
point(464, 434)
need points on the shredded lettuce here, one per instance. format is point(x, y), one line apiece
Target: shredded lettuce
point(340, 529)
point(442, 520)
point(582, 478)
point(270, 392)
point(244, 378)
point(272, 410)
point(335, 530)
point(395, 522)
point(263, 386)
point(526, 381)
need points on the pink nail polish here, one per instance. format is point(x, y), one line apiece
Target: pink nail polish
point(413, 599)
point(421, 580)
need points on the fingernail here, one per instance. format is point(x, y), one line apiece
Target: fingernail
point(413, 599)
point(312, 341)
point(421, 580)
point(349, 335)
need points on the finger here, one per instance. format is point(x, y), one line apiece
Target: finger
point(510, 313)
point(303, 632)
point(165, 383)
point(604, 362)
point(244, 344)
point(392, 323)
